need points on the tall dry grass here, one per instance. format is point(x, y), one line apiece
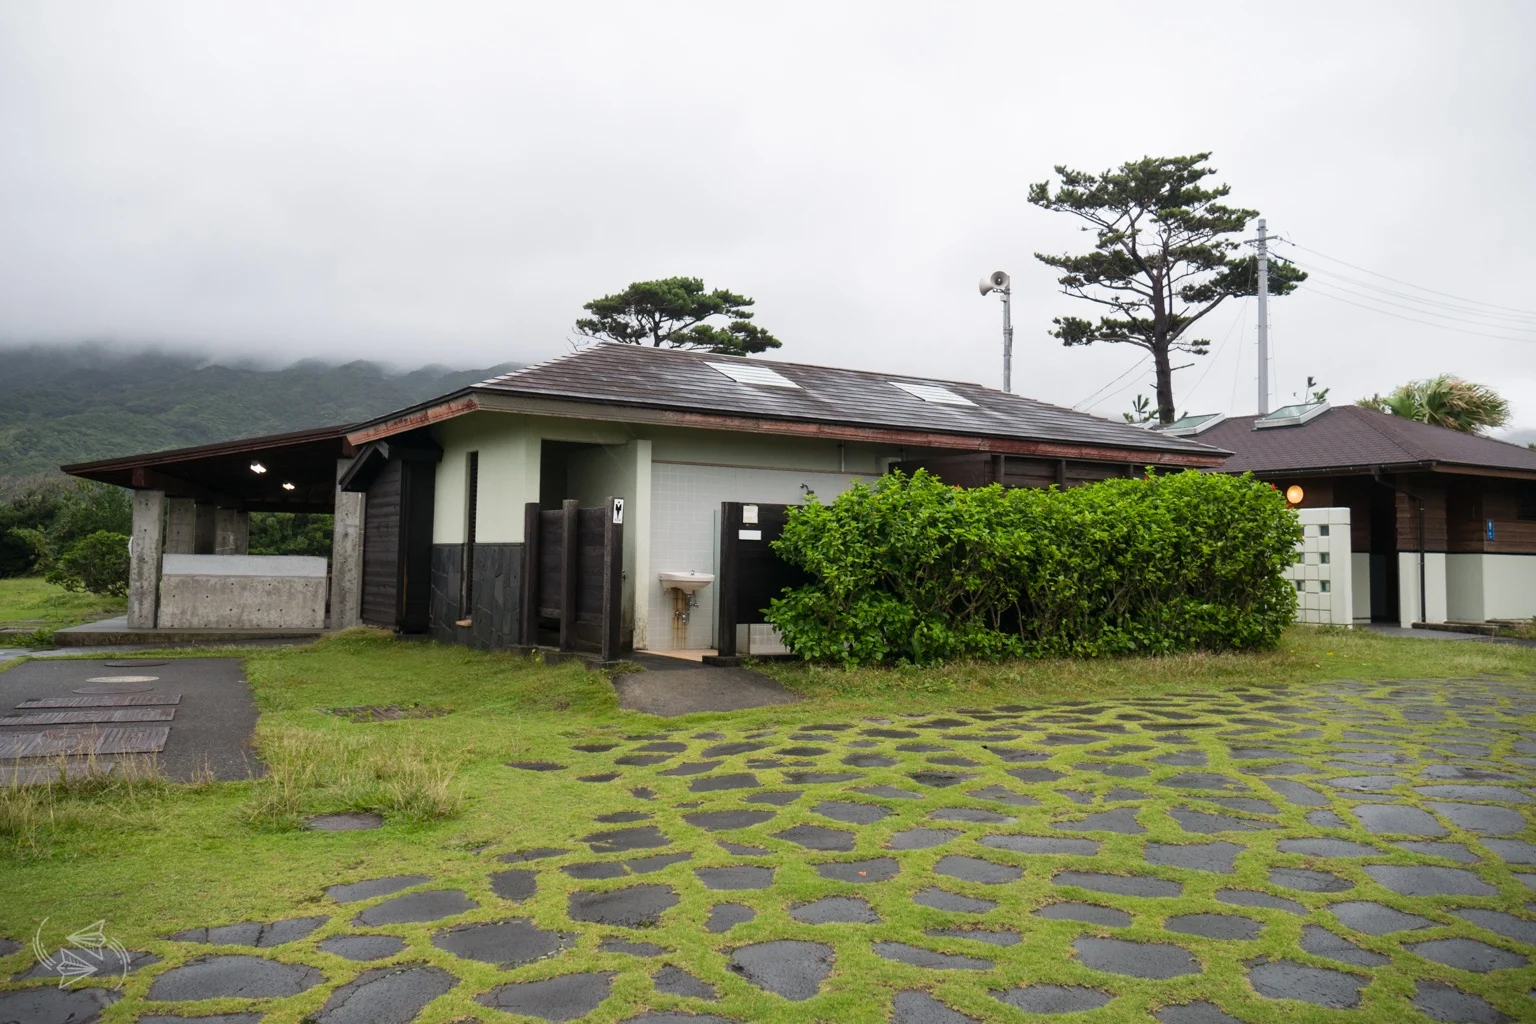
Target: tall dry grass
point(76, 792)
point(329, 771)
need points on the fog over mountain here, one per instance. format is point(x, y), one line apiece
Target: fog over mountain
point(448, 183)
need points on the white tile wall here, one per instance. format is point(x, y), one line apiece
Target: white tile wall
point(1324, 576)
point(685, 500)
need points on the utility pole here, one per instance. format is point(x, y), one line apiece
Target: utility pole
point(999, 282)
point(1263, 320)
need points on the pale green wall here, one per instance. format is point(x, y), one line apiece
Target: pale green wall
point(766, 451)
point(597, 474)
point(509, 469)
point(508, 444)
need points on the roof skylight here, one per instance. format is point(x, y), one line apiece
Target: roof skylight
point(1291, 415)
point(754, 373)
point(1189, 426)
point(931, 393)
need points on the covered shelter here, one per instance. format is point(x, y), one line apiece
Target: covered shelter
point(1442, 523)
point(191, 518)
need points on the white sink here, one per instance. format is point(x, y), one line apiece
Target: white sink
point(687, 582)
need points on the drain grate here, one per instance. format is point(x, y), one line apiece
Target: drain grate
point(92, 717)
point(114, 740)
point(120, 700)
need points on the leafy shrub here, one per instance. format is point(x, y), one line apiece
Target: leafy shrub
point(96, 564)
point(914, 571)
point(44, 520)
point(290, 533)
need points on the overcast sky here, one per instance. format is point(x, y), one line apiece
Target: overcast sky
point(449, 182)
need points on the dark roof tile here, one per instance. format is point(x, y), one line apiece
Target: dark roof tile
point(633, 375)
point(1350, 436)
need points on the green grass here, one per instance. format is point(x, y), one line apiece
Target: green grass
point(31, 603)
point(154, 858)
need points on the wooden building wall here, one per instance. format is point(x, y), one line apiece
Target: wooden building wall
point(397, 546)
point(381, 548)
point(980, 469)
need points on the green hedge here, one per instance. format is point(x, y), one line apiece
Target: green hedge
point(914, 571)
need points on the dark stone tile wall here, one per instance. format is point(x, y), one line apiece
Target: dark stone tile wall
point(445, 585)
point(497, 613)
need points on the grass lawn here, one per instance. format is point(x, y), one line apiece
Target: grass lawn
point(31, 603)
point(1130, 742)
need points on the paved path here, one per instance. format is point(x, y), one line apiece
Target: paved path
point(1332, 852)
point(669, 687)
point(203, 704)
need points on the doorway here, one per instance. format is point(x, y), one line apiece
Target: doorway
point(1384, 574)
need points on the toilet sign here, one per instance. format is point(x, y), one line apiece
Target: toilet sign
point(618, 511)
point(1490, 529)
point(749, 514)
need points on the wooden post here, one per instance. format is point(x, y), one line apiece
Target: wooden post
point(531, 541)
point(570, 548)
point(725, 622)
point(997, 469)
point(613, 582)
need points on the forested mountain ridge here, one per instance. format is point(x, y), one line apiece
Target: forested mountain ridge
point(63, 404)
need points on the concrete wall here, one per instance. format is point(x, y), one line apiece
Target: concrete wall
point(593, 476)
point(1482, 587)
point(1360, 582)
point(242, 592)
point(1408, 587)
point(1324, 576)
point(1464, 588)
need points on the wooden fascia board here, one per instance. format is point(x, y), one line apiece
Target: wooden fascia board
point(493, 402)
point(1394, 468)
point(146, 479)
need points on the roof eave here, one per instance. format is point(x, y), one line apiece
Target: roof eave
point(504, 400)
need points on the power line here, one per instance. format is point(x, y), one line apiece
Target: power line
point(1426, 323)
point(1374, 292)
point(1112, 383)
point(1410, 284)
point(1456, 307)
point(1242, 308)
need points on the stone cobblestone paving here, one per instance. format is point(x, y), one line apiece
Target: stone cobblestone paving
point(1355, 851)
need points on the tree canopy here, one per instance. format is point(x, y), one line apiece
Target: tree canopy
point(672, 312)
point(1162, 257)
point(1445, 401)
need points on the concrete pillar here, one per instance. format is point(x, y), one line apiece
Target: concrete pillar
point(181, 527)
point(347, 555)
point(231, 532)
point(204, 528)
point(144, 549)
point(638, 538)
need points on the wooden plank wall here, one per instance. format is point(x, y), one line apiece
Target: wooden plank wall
point(381, 549)
point(417, 505)
point(1432, 490)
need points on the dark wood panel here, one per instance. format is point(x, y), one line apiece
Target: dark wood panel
point(1504, 502)
point(418, 503)
point(1432, 493)
point(381, 548)
point(1036, 473)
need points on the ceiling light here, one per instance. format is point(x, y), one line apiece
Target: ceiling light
point(287, 486)
point(257, 467)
